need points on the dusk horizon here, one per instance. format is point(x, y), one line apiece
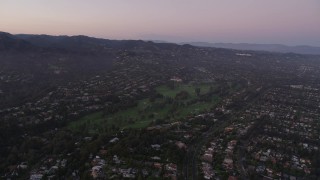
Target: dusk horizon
point(169, 41)
point(287, 22)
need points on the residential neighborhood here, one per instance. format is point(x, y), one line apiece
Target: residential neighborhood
point(160, 111)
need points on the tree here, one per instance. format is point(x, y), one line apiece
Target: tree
point(197, 90)
point(211, 89)
point(182, 95)
point(170, 84)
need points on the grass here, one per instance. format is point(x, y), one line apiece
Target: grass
point(140, 117)
point(197, 107)
point(145, 112)
point(139, 124)
point(85, 119)
point(190, 88)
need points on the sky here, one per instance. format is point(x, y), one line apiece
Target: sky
point(290, 22)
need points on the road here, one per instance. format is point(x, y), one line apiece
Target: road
point(190, 169)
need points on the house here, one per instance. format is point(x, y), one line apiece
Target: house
point(207, 171)
point(36, 176)
point(156, 146)
point(116, 159)
point(171, 167)
point(158, 165)
point(23, 165)
point(181, 145)
point(156, 158)
point(207, 157)
point(232, 178)
point(228, 163)
point(97, 172)
point(114, 140)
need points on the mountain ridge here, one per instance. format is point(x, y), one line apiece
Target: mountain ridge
point(300, 49)
point(82, 42)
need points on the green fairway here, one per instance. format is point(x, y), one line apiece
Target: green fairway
point(139, 116)
point(146, 111)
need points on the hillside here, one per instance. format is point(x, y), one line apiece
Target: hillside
point(74, 106)
point(262, 47)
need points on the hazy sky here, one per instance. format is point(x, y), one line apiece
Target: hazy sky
point(292, 22)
